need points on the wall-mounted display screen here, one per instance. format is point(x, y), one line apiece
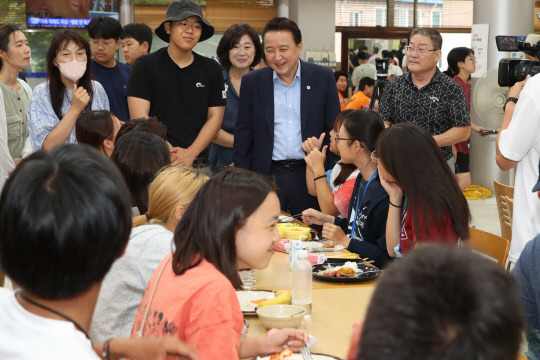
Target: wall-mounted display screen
point(67, 13)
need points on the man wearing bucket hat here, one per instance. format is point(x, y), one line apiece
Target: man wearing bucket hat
point(518, 145)
point(183, 89)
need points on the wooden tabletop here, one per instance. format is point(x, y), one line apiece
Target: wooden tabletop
point(336, 306)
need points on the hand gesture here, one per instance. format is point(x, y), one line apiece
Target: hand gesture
point(182, 157)
point(312, 216)
point(292, 339)
point(80, 98)
point(312, 143)
point(515, 90)
point(394, 190)
point(335, 233)
point(315, 160)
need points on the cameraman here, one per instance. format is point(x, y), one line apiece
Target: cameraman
point(518, 145)
point(426, 97)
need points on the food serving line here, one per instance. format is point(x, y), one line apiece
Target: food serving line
point(336, 306)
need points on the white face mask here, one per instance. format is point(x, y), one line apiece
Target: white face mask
point(73, 70)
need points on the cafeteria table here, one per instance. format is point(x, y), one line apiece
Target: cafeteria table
point(335, 308)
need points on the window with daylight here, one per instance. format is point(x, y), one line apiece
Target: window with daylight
point(356, 18)
point(380, 17)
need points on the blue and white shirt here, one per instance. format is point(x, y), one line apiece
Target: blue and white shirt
point(42, 118)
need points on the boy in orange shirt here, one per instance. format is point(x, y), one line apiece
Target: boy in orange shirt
point(362, 97)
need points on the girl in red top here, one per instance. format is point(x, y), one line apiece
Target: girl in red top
point(230, 225)
point(426, 203)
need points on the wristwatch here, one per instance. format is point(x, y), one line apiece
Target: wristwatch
point(512, 99)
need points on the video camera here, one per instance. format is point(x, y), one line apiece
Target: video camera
point(514, 70)
point(381, 66)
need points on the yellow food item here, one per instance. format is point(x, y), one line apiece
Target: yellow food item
point(282, 297)
point(346, 271)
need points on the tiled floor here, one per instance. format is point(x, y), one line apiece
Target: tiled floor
point(484, 215)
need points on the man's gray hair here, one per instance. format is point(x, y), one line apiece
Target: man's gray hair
point(434, 35)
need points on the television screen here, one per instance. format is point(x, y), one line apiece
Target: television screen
point(67, 13)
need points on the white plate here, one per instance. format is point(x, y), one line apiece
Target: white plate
point(298, 356)
point(317, 246)
point(245, 297)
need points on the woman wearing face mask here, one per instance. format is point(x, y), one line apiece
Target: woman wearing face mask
point(238, 51)
point(57, 103)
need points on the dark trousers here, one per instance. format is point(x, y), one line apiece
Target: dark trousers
point(292, 189)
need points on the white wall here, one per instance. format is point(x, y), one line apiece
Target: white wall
point(316, 19)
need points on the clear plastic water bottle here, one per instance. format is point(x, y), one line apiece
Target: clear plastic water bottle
point(302, 273)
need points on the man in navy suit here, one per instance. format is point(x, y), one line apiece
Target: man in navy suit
point(280, 106)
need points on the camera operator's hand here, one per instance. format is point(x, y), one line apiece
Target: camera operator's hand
point(515, 90)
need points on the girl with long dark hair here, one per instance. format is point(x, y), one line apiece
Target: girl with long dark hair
point(363, 231)
point(15, 92)
point(69, 89)
point(230, 225)
point(426, 203)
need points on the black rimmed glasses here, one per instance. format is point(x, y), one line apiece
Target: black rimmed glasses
point(337, 138)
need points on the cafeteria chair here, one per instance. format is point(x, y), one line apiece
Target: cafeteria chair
point(502, 192)
point(510, 207)
point(488, 244)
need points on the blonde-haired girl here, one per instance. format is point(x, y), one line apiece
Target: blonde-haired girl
point(150, 240)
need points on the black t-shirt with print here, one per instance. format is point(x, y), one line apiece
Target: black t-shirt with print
point(438, 107)
point(179, 98)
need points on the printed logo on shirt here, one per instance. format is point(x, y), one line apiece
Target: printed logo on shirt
point(433, 98)
point(224, 92)
point(199, 85)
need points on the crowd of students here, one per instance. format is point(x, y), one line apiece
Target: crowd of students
point(115, 147)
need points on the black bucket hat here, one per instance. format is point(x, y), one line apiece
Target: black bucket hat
point(180, 10)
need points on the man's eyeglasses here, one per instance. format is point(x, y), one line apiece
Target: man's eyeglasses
point(337, 138)
point(420, 52)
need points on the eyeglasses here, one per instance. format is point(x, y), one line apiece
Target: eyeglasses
point(337, 138)
point(420, 52)
point(374, 156)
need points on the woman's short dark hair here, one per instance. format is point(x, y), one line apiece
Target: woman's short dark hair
point(443, 303)
point(139, 156)
point(231, 37)
point(283, 24)
point(93, 127)
point(209, 226)
point(56, 87)
point(411, 156)
point(104, 27)
point(365, 126)
point(140, 32)
point(458, 54)
point(149, 125)
point(6, 30)
point(65, 217)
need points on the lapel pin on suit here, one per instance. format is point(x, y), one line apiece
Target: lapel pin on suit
point(308, 87)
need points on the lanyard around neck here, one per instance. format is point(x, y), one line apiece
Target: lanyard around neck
point(360, 202)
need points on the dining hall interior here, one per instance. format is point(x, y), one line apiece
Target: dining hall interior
point(341, 286)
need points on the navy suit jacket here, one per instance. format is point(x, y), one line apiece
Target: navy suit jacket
point(254, 130)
